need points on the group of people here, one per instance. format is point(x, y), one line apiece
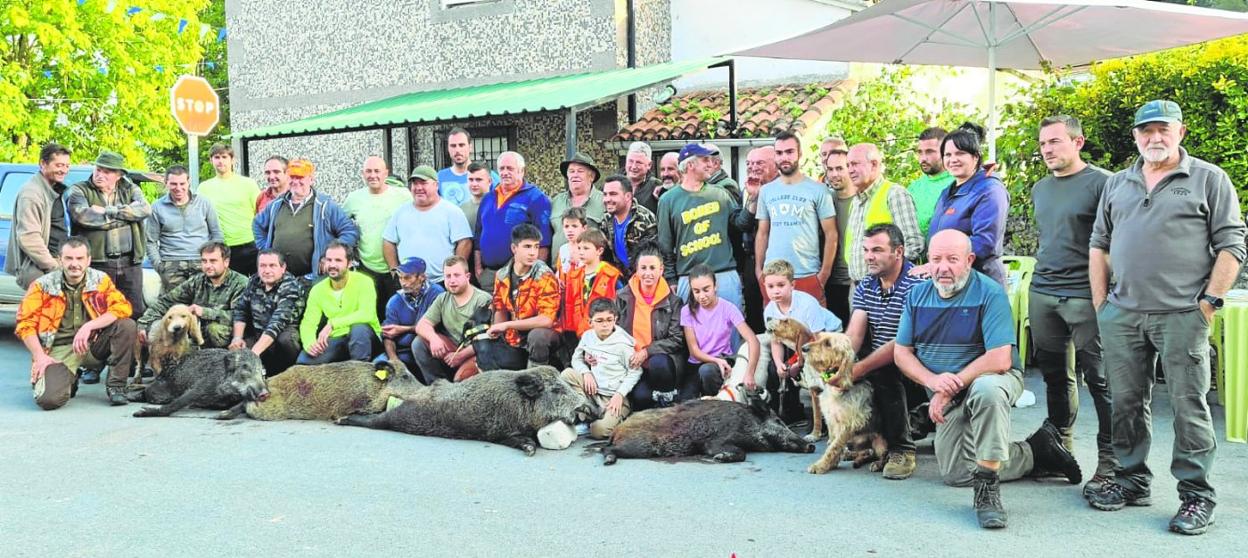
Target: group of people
point(649, 290)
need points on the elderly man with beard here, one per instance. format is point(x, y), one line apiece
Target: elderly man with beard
point(956, 337)
point(1170, 228)
point(210, 294)
point(347, 302)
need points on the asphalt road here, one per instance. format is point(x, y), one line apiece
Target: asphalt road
point(90, 480)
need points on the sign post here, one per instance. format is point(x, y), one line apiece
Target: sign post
point(197, 109)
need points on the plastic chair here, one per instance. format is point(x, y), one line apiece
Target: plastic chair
point(1022, 267)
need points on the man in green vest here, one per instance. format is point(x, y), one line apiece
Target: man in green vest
point(927, 188)
point(877, 202)
point(109, 211)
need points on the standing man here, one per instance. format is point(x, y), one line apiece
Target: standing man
point(836, 176)
point(39, 222)
point(1168, 288)
point(513, 203)
point(180, 224)
point(718, 176)
point(371, 208)
point(792, 211)
point(453, 180)
point(211, 295)
point(266, 316)
point(478, 186)
point(276, 180)
point(74, 317)
point(345, 301)
point(760, 169)
point(429, 228)
point(301, 224)
point(627, 225)
point(643, 187)
point(926, 189)
point(877, 201)
point(235, 199)
point(109, 211)
point(1060, 307)
point(440, 349)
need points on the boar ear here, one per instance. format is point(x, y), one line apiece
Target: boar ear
point(530, 385)
point(383, 370)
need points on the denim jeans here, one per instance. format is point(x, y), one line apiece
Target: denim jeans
point(358, 344)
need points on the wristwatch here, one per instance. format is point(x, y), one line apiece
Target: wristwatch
point(1213, 301)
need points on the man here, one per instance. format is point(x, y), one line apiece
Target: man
point(428, 228)
point(926, 189)
point(371, 208)
point(300, 224)
point(39, 222)
point(211, 295)
point(581, 174)
point(452, 181)
point(509, 205)
point(836, 176)
point(643, 187)
point(75, 317)
point(760, 169)
point(235, 199)
point(628, 226)
point(180, 224)
point(526, 305)
point(345, 301)
point(267, 314)
point(792, 211)
point(694, 227)
point(956, 337)
point(1168, 288)
point(826, 147)
point(1060, 300)
point(478, 185)
point(276, 180)
point(878, 303)
point(440, 349)
point(718, 176)
point(109, 213)
point(404, 309)
point(669, 175)
point(877, 201)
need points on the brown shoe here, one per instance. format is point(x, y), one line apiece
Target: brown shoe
point(900, 465)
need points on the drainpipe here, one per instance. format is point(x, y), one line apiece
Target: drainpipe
point(631, 45)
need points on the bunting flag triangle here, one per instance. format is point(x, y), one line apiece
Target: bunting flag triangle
point(182, 25)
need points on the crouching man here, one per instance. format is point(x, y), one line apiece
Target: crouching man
point(74, 317)
point(956, 337)
point(266, 316)
point(347, 302)
point(210, 294)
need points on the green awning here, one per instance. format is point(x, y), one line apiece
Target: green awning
point(570, 92)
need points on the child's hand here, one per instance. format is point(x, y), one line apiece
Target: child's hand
point(590, 359)
point(591, 385)
point(725, 369)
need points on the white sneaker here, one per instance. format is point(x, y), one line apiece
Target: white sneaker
point(582, 429)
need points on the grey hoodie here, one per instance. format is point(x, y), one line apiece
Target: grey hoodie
point(612, 372)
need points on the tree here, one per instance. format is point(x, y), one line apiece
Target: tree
point(92, 80)
point(213, 66)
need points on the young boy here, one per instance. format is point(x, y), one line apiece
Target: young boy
point(575, 222)
point(526, 305)
point(610, 379)
point(785, 302)
point(591, 279)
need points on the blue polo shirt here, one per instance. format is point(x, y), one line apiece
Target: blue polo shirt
point(884, 308)
point(494, 223)
point(947, 334)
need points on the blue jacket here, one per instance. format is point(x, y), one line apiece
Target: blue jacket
point(329, 222)
point(978, 208)
point(494, 224)
point(405, 309)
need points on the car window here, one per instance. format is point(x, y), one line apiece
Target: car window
point(13, 182)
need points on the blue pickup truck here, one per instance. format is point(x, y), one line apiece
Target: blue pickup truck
point(12, 177)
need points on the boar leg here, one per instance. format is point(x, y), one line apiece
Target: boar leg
point(367, 421)
point(725, 453)
point(233, 412)
point(181, 402)
point(525, 444)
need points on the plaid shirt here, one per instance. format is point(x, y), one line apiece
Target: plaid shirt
point(536, 294)
point(901, 206)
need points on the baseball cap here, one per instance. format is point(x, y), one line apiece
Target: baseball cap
point(1158, 111)
point(300, 168)
point(424, 172)
point(395, 181)
point(694, 150)
point(412, 266)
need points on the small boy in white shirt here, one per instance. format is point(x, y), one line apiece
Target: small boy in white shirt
point(601, 370)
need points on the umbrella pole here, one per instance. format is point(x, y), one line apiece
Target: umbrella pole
point(992, 83)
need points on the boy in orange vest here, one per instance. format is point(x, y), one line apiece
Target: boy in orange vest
point(591, 278)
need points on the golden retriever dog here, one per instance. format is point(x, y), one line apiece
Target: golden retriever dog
point(846, 406)
point(794, 335)
point(171, 338)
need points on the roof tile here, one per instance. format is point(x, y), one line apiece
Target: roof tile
point(762, 111)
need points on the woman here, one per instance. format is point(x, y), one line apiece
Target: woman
point(976, 204)
point(709, 322)
point(581, 175)
point(650, 311)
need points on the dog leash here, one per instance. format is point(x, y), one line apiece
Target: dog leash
point(470, 336)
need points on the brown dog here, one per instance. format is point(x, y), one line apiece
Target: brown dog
point(794, 335)
point(171, 338)
point(846, 406)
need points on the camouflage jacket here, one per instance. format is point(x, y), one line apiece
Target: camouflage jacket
point(270, 311)
point(642, 226)
point(217, 302)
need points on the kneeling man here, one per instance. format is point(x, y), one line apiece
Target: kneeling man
point(347, 300)
point(956, 337)
point(210, 294)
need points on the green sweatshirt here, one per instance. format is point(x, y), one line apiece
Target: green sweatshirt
point(356, 305)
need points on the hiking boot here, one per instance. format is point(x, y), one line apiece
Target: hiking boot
point(1113, 497)
point(117, 396)
point(1050, 455)
point(900, 465)
point(988, 508)
point(89, 376)
point(1097, 482)
point(1195, 516)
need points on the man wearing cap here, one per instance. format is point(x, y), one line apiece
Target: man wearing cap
point(453, 180)
point(429, 228)
point(340, 320)
point(301, 223)
point(1170, 228)
point(109, 211)
point(718, 176)
point(637, 168)
point(511, 203)
point(581, 174)
point(39, 221)
point(696, 226)
point(404, 309)
point(627, 226)
point(235, 198)
point(276, 180)
point(371, 208)
point(180, 224)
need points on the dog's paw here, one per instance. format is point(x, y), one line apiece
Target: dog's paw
point(811, 438)
point(820, 467)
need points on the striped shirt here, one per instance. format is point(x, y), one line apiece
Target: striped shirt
point(884, 308)
point(947, 334)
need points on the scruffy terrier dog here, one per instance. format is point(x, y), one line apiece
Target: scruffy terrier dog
point(846, 406)
point(171, 338)
point(794, 335)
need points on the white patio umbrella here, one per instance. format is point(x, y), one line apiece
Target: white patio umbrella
point(1017, 34)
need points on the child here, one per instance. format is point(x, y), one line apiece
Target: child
point(575, 222)
point(610, 379)
point(591, 279)
point(785, 302)
point(709, 321)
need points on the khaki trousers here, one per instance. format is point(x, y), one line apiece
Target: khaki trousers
point(602, 428)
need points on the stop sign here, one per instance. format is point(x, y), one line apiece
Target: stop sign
point(196, 106)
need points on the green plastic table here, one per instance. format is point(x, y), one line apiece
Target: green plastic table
point(1233, 364)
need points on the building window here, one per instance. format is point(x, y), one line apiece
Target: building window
point(487, 145)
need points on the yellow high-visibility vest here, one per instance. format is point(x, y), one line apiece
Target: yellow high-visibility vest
point(877, 214)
